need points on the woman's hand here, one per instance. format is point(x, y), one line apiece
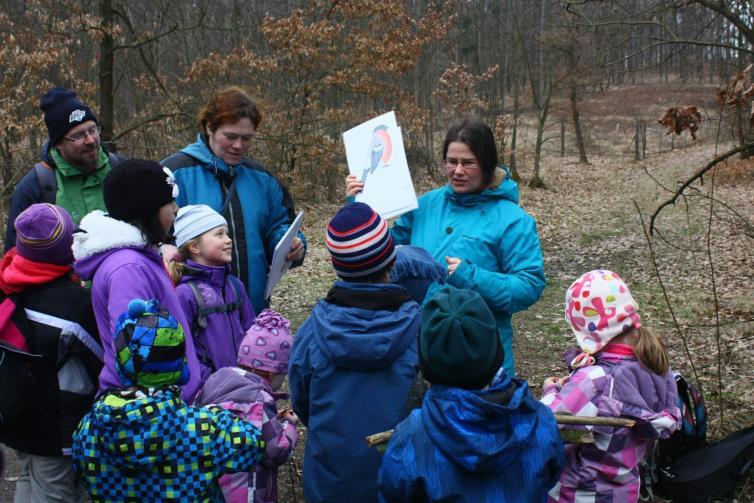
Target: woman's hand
point(297, 250)
point(353, 185)
point(453, 263)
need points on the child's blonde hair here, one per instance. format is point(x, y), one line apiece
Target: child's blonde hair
point(651, 351)
point(177, 268)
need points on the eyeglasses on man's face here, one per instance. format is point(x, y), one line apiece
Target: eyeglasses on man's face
point(82, 135)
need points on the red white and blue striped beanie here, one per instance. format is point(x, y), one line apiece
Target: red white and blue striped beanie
point(359, 241)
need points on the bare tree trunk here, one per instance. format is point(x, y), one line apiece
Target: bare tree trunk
point(106, 98)
point(740, 129)
point(514, 131)
point(536, 181)
point(577, 125)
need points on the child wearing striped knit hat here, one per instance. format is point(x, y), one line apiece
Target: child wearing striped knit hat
point(353, 360)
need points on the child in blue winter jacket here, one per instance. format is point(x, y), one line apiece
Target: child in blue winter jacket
point(354, 360)
point(250, 392)
point(479, 436)
point(213, 300)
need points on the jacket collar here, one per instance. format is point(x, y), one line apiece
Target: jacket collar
point(214, 275)
point(502, 187)
point(69, 170)
point(98, 233)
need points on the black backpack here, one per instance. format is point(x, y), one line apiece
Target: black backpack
point(684, 467)
point(708, 472)
point(18, 384)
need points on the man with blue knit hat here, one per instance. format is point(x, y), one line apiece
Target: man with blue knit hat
point(73, 163)
point(354, 360)
point(479, 435)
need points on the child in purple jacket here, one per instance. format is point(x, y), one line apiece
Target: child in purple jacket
point(214, 301)
point(250, 391)
point(621, 370)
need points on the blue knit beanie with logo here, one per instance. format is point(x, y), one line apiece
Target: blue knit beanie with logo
point(63, 112)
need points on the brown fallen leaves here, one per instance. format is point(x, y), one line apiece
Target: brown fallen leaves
point(678, 119)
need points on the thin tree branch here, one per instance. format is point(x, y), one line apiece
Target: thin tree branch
point(717, 304)
point(697, 175)
point(665, 295)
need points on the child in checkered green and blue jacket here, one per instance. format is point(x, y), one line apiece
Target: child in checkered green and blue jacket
point(142, 442)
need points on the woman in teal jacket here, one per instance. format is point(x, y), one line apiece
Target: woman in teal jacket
point(475, 225)
point(215, 171)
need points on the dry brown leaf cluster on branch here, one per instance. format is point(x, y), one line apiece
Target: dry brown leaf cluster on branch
point(737, 92)
point(677, 119)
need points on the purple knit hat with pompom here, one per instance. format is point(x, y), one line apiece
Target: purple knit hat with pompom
point(267, 344)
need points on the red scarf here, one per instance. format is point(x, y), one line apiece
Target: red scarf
point(619, 349)
point(18, 273)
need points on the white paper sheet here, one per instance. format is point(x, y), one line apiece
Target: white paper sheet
point(279, 263)
point(375, 154)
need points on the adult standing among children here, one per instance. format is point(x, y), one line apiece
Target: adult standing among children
point(216, 171)
point(73, 163)
point(475, 225)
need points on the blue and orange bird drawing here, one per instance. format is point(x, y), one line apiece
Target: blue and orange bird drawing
point(380, 150)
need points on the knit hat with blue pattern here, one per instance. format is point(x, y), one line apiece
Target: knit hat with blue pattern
point(359, 241)
point(150, 347)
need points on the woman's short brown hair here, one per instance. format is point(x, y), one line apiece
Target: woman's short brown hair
point(229, 105)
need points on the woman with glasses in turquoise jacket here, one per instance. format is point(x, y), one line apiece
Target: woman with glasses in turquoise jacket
point(475, 225)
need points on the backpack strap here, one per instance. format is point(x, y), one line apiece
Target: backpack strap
point(47, 181)
point(202, 311)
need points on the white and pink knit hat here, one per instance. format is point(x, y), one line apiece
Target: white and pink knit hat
point(599, 307)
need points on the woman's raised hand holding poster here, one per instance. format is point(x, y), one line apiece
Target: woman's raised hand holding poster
point(375, 155)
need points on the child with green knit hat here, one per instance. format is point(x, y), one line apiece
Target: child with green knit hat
point(479, 435)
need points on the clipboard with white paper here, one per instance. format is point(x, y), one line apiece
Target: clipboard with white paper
point(280, 264)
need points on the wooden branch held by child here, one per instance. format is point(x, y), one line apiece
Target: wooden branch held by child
point(569, 436)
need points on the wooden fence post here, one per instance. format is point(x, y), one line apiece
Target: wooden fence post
point(643, 139)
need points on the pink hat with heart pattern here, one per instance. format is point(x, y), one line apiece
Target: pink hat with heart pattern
point(267, 344)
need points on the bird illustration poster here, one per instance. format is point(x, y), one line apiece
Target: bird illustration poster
point(375, 155)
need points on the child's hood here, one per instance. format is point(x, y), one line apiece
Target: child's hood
point(353, 337)
point(635, 392)
point(99, 236)
point(138, 433)
point(483, 431)
point(645, 396)
point(233, 384)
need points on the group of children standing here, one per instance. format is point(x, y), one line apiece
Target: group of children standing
point(368, 350)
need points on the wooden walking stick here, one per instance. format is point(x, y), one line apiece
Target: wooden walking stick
point(569, 436)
